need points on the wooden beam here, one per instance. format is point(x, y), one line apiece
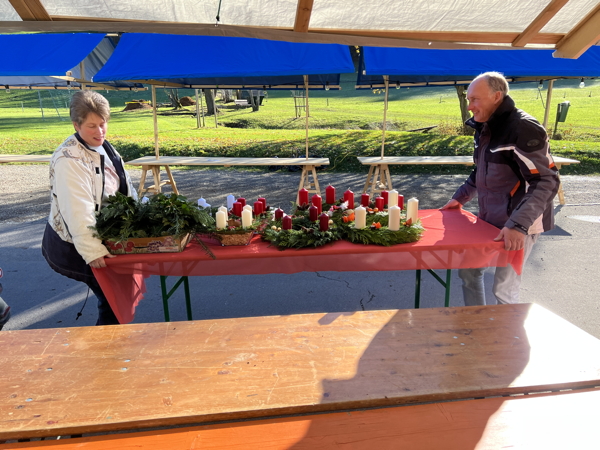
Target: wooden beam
point(303, 13)
point(445, 36)
point(580, 38)
point(30, 10)
point(539, 22)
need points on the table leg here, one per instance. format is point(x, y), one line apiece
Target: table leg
point(156, 176)
point(171, 180)
point(561, 193)
point(418, 290)
point(141, 188)
point(368, 182)
point(166, 295)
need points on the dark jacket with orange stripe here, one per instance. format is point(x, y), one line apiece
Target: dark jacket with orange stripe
point(514, 178)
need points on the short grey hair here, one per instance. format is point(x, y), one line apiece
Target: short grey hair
point(86, 102)
point(495, 81)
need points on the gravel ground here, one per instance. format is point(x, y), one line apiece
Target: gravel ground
point(25, 189)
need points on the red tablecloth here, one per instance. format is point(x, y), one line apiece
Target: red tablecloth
point(453, 239)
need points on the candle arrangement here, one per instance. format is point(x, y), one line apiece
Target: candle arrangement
point(367, 222)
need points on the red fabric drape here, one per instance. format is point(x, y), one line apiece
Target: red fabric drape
point(453, 239)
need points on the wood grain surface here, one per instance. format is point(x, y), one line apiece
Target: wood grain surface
point(99, 379)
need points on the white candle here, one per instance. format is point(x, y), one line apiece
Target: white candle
point(221, 218)
point(224, 209)
point(247, 208)
point(360, 217)
point(412, 210)
point(247, 217)
point(145, 199)
point(230, 200)
point(392, 198)
point(394, 218)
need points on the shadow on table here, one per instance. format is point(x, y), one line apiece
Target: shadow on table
point(464, 354)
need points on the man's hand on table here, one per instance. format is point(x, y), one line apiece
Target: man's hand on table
point(452, 204)
point(513, 239)
point(99, 263)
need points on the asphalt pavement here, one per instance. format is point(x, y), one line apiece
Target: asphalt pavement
point(561, 274)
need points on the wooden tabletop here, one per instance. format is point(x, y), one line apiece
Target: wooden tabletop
point(466, 160)
point(223, 161)
point(25, 158)
point(95, 379)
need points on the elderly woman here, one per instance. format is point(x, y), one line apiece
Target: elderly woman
point(84, 171)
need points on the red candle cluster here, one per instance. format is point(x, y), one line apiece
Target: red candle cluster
point(286, 223)
point(323, 222)
point(385, 195)
point(302, 197)
point(313, 213)
point(278, 213)
point(379, 203)
point(237, 209)
point(258, 207)
point(364, 200)
point(330, 195)
point(349, 197)
point(317, 201)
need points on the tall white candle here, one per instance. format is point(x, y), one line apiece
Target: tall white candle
point(412, 210)
point(394, 218)
point(360, 217)
point(247, 217)
point(224, 209)
point(247, 208)
point(230, 200)
point(392, 198)
point(221, 218)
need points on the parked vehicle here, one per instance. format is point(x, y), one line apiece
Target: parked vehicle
point(4, 308)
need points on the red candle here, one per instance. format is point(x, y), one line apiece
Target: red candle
point(286, 223)
point(385, 196)
point(349, 197)
point(330, 195)
point(364, 200)
point(242, 200)
point(237, 209)
point(379, 203)
point(313, 213)
point(264, 202)
point(302, 197)
point(278, 213)
point(323, 222)
point(317, 201)
point(401, 201)
point(258, 208)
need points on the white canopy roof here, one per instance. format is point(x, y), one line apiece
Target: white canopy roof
point(569, 26)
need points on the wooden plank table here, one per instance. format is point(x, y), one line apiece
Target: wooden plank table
point(379, 178)
point(153, 164)
point(127, 377)
point(550, 422)
point(25, 158)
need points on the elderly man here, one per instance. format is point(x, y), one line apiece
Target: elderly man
point(514, 179)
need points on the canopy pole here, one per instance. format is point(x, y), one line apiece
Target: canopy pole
point(197, 110)
point(548, 101)
point(202, 109)
point(386, 80)
point(82, 74)
point(215, 107)
point(155, 120)
point(306, 110)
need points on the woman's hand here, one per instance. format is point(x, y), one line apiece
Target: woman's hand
point(98, 263)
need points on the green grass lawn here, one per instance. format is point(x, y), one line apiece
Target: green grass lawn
point(343, 124)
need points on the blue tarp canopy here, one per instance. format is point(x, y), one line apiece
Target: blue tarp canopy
point(225, 62)
point(34, 60)
point(406, 66)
